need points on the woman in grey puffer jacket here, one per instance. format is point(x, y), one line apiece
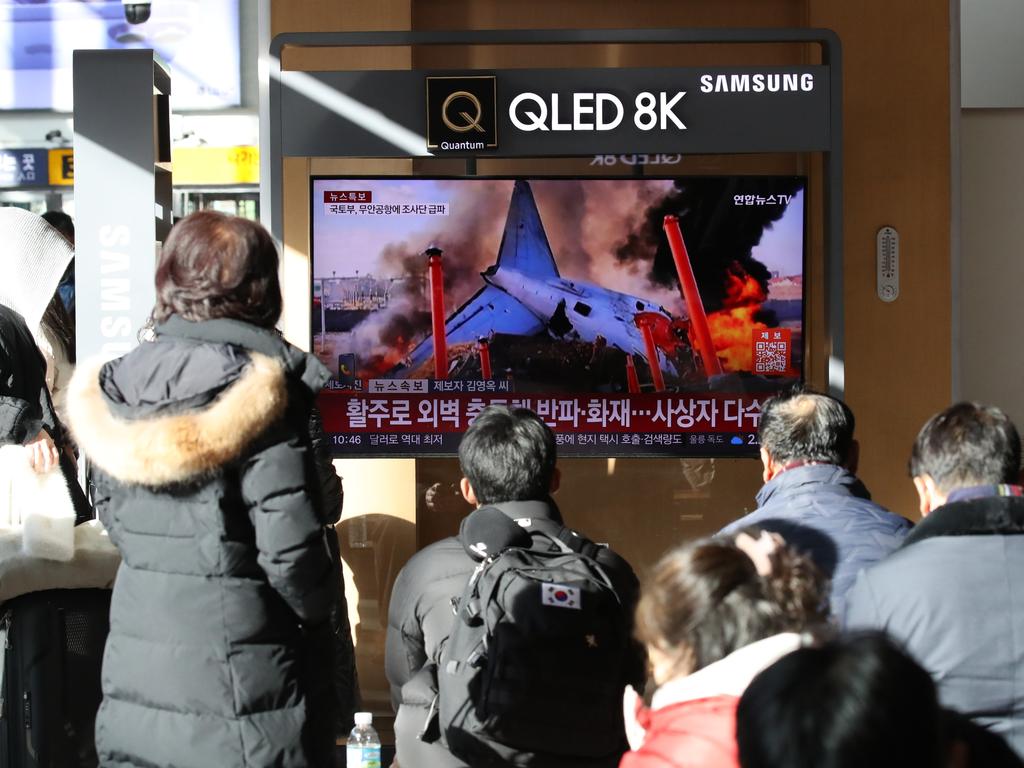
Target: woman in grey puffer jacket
point(219, 647)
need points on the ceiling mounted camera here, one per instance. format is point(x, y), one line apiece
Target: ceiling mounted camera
point(136, 12)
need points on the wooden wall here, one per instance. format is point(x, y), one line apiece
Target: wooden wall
point(897, 145)
point(897, 172)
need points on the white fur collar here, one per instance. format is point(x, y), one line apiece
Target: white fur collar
point(171, 449)
point(731, 675)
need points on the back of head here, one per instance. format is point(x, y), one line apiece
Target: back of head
point(802, 425)
point(965, 445)
point(218, 266)
point(859, 701)
point(707, 599)
point(508, 454)
point(62, 223)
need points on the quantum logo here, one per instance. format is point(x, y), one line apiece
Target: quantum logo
point(470, 123)
point(462, 113)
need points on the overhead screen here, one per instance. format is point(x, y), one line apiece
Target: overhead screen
point(198, 39)
point(637, 316)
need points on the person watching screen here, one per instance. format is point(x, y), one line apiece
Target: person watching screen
point(713, 614)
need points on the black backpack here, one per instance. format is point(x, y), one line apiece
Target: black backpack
point(533, 671)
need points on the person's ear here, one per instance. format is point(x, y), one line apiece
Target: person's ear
point(853, 457)
point(556, 481)
point(769, 465)
point(928, 494)
point(467, 492)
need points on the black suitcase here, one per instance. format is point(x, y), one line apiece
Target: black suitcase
point(52, 655)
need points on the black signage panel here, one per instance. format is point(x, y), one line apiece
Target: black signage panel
point(557, 112)
point(461, 112)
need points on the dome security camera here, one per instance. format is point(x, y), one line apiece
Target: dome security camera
point(136, 11)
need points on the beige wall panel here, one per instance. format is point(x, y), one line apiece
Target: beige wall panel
point(335, 58)
point(897, 172)
point(539, 56)
point(338, 15)
point(604, 14)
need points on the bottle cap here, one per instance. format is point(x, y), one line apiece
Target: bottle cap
point(364, 718)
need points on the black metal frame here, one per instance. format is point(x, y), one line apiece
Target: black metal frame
point(831, 54)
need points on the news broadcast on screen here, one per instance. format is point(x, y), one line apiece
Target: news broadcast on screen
point(637, 316)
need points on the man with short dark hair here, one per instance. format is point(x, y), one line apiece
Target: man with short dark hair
point(811, 494)
point(508, 462)
point(954, 593)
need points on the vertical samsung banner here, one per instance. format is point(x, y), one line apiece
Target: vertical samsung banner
point(120, 211)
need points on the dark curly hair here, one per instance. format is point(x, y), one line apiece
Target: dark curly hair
point(218, 266)
point(706, 599)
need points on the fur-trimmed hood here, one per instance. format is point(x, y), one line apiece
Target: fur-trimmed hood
point(187, 404)
point(176, 446)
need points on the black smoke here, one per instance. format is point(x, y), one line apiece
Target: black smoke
point(717, 231)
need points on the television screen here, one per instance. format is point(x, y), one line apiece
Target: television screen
point(637, 316)
point(198, 39)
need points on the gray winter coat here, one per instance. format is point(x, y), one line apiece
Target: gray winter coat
point(954, 596)
point(219, 647)
point(827, 513)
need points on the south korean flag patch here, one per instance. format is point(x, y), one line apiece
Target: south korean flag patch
point(560, 596)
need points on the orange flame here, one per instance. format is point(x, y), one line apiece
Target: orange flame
point(733, 327)
point(379, 364)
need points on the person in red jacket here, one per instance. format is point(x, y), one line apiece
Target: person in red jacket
point(713, 614)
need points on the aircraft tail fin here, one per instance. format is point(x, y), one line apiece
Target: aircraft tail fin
point(524, 244)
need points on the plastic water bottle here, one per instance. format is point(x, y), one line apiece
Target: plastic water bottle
point(363, 748)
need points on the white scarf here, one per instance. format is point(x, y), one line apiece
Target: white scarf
point(729, 676)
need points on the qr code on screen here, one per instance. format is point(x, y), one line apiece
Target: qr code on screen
point(771, 357)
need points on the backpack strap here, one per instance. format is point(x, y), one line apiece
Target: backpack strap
point(569, 541)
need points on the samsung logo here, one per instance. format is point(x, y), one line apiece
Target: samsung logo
point(757, 83)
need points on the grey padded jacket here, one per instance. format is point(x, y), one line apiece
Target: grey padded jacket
point(219, 647)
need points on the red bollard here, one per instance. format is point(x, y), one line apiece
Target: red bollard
point(437, 312)
point(485, 359)
point(691, 295)
point(631, 377)
point(645, 321)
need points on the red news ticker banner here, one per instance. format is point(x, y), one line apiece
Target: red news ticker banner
point(347, 412)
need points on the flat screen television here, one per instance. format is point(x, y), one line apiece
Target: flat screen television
point(637, 316)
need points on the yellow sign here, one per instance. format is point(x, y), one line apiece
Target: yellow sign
point(62, 167)
point(222, 166)
point(215, 165)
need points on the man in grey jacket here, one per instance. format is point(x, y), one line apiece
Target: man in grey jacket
point(954, 593)
point(811, 496)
